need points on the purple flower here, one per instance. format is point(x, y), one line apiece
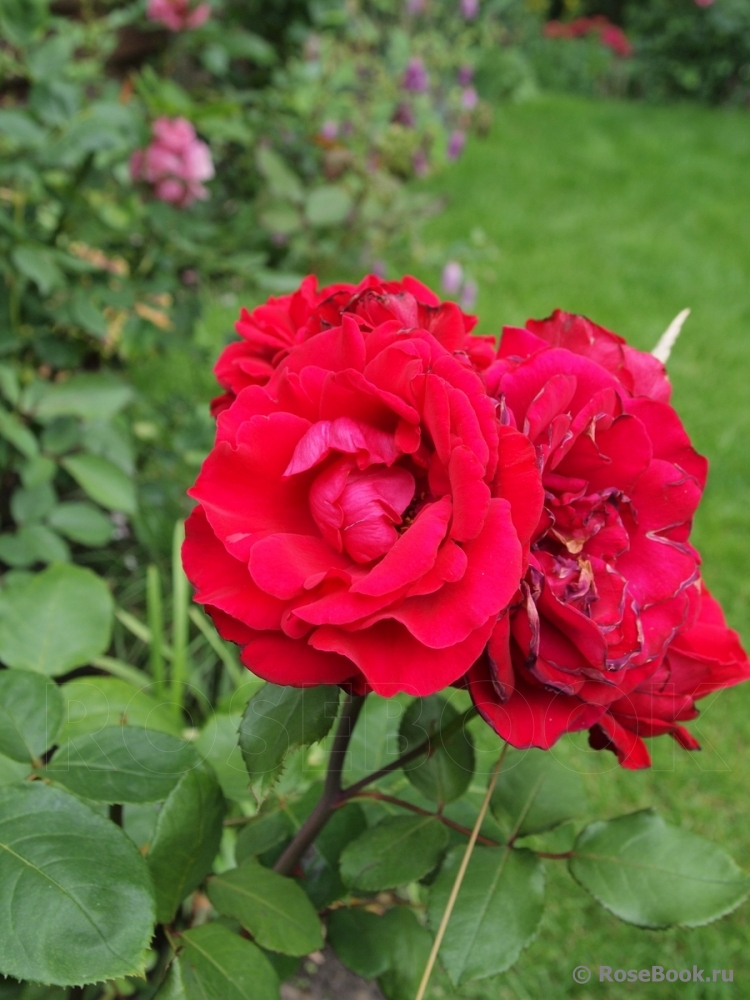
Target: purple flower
point(469, 9)
point(378, 268)
point(415, 76)
point(329, 130)
point(469, 98)
point(456, 144)
point(452, 278)
point(468, 295)
point(465, 75)
point(420, 163)
point(414, 7)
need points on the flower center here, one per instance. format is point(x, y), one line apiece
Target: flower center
point(358, 511)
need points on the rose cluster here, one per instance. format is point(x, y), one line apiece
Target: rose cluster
point(394, 504)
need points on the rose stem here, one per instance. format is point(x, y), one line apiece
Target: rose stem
point(331, 790)
point(343, 795)
point(460, 877)
point(380, 797)
point(427, 747)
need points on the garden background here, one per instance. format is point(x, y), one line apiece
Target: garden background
point(587, 156)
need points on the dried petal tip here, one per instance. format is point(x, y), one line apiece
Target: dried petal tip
point(669, 338)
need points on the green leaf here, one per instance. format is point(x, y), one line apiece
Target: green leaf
point(102, 481)
point(281, 220)
point(37, 470)
point(20, 128)
point(219, 965)
point(655, 875)
point(408, 944)
point(31, 711)
point(10, 387)
point(17, 434)
point(85, 906)
point(272, 908)
point(397, 851)
point(100, 437)
point(357, 938)
point(94, 703)
point(60, 435)
point(12, 771)
point(282, 181)
point(497, 910)
point(122, 764)
point(279, 719)
point(217, 743)
point(322, 881)
point(376, 740)
point(447, 772)
point(28, 505)
point(39, 264)
point(393, 948)
point(89, 396)
point(18, 549)
point(81, 522)
point(186, 840)
point(535, 792)
point(87, 316)
point(59, 620)
point(328, 205)
point(47, 546)
point(261, 834)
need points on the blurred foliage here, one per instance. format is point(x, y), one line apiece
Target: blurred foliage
point(682, 49)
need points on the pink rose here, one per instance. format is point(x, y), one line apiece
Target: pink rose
point(178, 15)
point(175, 163)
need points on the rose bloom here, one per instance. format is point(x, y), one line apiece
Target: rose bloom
point(178, 15)
point(611, 616)
point(269, 332)
point(364, 517)
point(175, 163)
point(701, 659)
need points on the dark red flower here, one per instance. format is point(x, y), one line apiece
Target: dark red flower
point(610, 35)
point(364, 518)
point(269, 332)
point(612, 578)
point(703, 658)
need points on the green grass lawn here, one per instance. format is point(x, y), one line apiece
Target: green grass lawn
point(629, 213)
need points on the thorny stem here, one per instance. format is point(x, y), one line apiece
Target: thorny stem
point(331, 790)
point(380, 797)
point(334, 795)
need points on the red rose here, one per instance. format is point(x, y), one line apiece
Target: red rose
point(701, 659)
point(640, 373)
point(612, 578)
point(270, 331)
point(363, 518)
